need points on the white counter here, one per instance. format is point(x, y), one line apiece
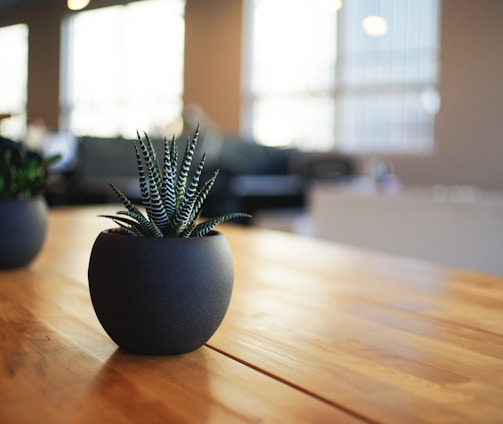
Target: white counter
point(455, 226)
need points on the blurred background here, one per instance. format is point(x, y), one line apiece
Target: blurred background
point(325, 117)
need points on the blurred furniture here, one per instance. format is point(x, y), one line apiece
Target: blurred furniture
point(456, 226)
point(316, 332)
point(251, 177)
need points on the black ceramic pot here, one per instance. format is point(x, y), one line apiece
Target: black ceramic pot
point(160, 295)
point(23, 225)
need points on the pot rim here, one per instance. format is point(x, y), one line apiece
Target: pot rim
point(115, 232)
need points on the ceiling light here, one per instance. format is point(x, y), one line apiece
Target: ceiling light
point(376, 26)
point(77, 4)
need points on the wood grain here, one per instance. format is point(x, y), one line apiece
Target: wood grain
point(58, 366)
point(395, 339)
point(316, 332)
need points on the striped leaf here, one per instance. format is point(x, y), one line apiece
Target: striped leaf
point(125, 229)
point(123, 198)
point(190, 228)
point(183, 173)
point(173, 203)
point(202, 194)
point(173, 153)
point(155, 208)
point(168, 193)
point(127, 226)
point(205, 227)
point(145, 195)
point(184, 214)
point(150, 158)
point(147, 228)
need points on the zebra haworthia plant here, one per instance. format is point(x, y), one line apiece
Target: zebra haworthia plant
point(172, 197)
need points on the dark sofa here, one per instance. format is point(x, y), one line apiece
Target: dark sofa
point(251, 177)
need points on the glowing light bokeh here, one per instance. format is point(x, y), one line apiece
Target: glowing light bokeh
point(77, 4)
point(375, 26)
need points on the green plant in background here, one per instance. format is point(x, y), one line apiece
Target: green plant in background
point(22, 176)
point(172, 198)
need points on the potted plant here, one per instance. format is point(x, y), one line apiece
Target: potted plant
point(23, 209)
point(161, 282)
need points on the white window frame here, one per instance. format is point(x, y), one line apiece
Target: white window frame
point(149, 106)
point(409, 109)
point(14, 45)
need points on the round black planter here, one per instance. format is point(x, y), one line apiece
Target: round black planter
point(160, 296)
point(23, 225)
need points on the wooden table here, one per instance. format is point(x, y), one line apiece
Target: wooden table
point(315, 333)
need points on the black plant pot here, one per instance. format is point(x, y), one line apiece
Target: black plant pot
point(23, 225)
point(160, 296)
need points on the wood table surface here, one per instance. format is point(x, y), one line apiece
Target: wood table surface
point(316, 332)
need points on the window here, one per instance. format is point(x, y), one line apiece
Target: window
point(124, 69)
point(358, 76)
point(13, 80)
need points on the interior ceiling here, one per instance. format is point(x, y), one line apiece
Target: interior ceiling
point(12, 4)
point(8, 4)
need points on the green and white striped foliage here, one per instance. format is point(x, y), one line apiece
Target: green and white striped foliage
point(173, 197)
